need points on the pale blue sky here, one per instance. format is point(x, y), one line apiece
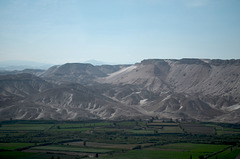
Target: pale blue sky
point(118, 31)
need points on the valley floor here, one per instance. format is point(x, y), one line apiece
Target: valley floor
point(131, 139)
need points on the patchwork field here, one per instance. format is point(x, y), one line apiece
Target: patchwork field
point(118, 139)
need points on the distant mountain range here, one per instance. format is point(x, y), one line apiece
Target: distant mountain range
point(98, 63)
point(186, 89)
point(21, 65)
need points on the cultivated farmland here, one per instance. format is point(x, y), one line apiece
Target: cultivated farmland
point(118, 139)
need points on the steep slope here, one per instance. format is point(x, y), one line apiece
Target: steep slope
point(149, 74)
point(25, 96)
point(14, 89)
point(186, 88)
point(22, 85)
point(182, 76)
point(183, 106)
point(75, 101)
point(205, 77)
point(192, 89)
point(108, 69)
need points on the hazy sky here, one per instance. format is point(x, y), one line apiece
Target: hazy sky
point(118, 31)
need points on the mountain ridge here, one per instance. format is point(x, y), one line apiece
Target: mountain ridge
point(185, 89)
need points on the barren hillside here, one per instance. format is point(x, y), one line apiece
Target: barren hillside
point(192, 89)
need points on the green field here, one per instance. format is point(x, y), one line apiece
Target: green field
point(140, 131)
point(71, 129)
point(81, 125)
point(72, 149)
point(227, 154)
point(198, 129)
point(15, 155)
point(24, 127)
point(13, 146)
point(146, 154)
point(175, 151)
point(118, 139)
point(107, 145)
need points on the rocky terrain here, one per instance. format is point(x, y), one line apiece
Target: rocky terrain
point(186, 89)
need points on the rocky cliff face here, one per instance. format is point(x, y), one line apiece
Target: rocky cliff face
point(206, 90)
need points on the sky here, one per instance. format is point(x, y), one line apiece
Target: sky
point(118, 31)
